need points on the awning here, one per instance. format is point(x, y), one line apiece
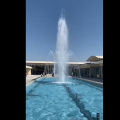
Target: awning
point(50, 63)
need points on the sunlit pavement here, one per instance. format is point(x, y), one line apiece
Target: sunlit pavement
point(30, 78)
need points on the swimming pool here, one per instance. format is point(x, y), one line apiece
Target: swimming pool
point(76, 100)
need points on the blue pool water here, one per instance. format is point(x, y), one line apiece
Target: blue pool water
point(47, 100)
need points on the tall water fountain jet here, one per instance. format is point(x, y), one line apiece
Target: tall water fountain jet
point(51, 52)
point(62, 56)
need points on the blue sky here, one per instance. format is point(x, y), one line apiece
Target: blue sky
point(84, 19)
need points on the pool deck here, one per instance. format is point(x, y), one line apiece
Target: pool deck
point(31, 78)
point(93, 80)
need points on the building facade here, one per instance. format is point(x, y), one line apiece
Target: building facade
point(93, 68)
